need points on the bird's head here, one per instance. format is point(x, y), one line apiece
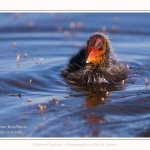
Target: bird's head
point(97, 49)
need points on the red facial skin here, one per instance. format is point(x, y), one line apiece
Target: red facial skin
point(96, 50)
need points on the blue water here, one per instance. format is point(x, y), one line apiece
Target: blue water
point(35, 47)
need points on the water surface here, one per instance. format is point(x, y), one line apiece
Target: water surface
point(35, 99)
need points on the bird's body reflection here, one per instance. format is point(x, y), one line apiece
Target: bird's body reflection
point(97, 95)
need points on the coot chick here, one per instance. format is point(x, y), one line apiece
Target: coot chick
point(95, 64)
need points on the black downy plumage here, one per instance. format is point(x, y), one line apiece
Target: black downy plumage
point(102, 68)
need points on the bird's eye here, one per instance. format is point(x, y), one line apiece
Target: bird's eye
point(100, 48)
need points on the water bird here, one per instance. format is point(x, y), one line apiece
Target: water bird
point(95, 64)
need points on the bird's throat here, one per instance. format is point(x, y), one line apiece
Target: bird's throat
point(98, 62)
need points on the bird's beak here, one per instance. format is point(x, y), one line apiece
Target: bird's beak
point(92, 52)
point(87, 61)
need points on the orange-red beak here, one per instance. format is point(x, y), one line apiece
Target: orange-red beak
point(92, 53)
